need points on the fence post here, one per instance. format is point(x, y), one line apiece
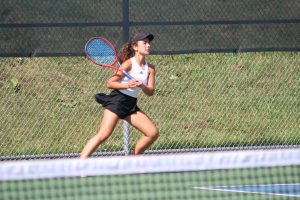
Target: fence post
point(126, 126)
point(125, 26)
point(126, 138)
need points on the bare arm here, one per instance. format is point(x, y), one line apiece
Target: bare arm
point(115, 81)
point(150, 87)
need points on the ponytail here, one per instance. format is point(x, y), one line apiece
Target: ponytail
point(125, 52)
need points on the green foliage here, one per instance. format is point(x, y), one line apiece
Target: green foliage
point(15, 84)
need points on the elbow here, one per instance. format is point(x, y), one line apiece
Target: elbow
point(151, 93)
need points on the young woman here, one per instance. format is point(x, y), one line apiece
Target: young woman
point(121, 103)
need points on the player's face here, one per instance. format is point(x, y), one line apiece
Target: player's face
point(143, 47)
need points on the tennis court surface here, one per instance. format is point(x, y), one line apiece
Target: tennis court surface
point(253, 174)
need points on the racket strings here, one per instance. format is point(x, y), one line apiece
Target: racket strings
point(101, 52)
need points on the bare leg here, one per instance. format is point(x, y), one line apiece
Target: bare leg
point(107, 126)
point(143, 123)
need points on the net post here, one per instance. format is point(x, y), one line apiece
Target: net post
point(126, 138)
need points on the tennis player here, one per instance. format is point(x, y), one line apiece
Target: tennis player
point(121, 103)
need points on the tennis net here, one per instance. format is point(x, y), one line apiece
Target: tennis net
point(253, 174)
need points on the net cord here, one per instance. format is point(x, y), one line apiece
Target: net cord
point(118, 165)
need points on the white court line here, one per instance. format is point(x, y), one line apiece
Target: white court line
point(218, 188)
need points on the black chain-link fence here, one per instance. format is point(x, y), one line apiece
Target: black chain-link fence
point(202, 102)
point(55, 28)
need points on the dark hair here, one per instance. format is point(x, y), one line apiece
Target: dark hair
point(125, 52)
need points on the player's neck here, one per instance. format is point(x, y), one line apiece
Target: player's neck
point(140, 59)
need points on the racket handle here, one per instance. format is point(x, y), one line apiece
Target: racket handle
point(124, 72)
point(127, 74)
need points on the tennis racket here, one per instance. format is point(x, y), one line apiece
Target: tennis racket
point(103, 53)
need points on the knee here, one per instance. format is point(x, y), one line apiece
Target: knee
point(154, 133)
point(100, 137)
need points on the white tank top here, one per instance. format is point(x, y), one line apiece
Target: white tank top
point(137, 72)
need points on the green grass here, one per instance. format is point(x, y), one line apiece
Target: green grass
point(233, 99)
point(201, 100)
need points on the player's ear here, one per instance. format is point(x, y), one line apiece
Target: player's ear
point(134, 46)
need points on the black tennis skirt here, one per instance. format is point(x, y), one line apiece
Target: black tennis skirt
point(117, 102)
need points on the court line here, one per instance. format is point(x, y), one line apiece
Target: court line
point(219, 188)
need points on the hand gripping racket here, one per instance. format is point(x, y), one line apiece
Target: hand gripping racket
point(103, 53)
